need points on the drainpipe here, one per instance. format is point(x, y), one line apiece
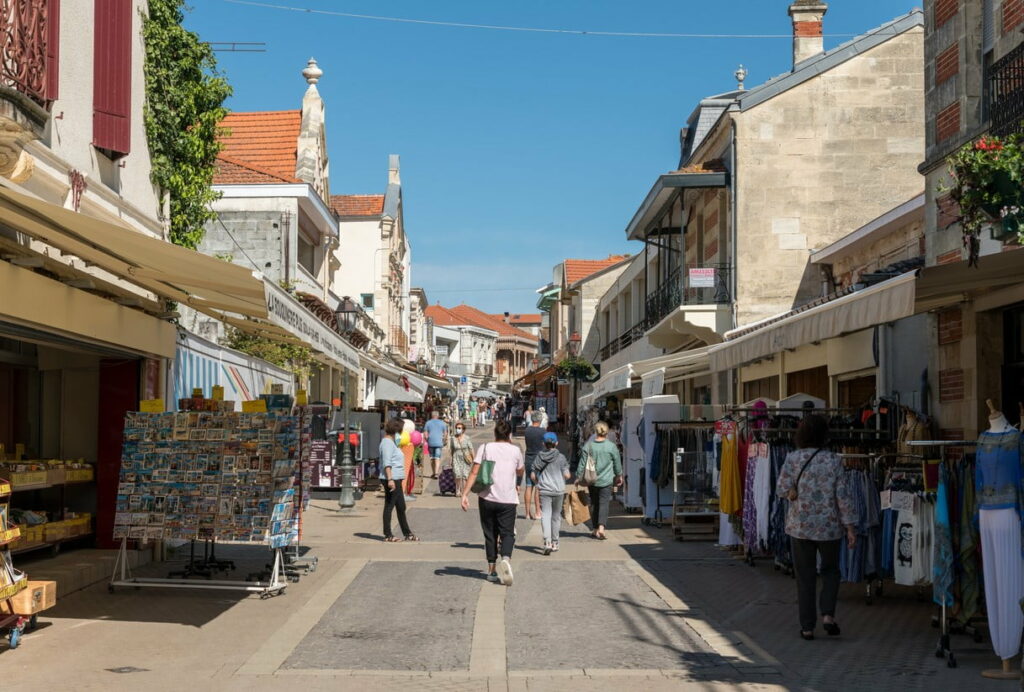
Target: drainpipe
point(734, 386)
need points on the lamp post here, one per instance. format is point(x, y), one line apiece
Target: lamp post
point(574, 441)
point(346, 315)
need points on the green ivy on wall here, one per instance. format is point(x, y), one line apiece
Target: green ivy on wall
point(184, 104)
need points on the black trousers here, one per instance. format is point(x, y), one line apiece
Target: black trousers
point(805, 565)
point(395, 500)
point(497, 519)
point(599, 499)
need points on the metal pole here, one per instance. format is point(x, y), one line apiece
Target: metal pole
point(574, 428)
point(347, 498)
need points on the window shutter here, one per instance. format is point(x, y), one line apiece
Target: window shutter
point(52, 49)
point(112, 76)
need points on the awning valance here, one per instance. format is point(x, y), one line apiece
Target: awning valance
point(885, 302)
point(618, 380)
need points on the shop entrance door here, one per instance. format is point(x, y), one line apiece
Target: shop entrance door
point(1013, 364)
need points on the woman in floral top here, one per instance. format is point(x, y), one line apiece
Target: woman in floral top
point(821, 505)
point(462, 455)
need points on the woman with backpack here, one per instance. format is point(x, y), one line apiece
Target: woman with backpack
point(600, 469)
point(498, 462)
point(550, 472)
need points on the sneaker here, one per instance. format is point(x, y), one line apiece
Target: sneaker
point(493, 578)
point(554, 547)
point(410, 498)
point(547, 548)
point(505, 571)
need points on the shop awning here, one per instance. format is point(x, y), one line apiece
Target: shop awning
point(536, 377)
point(168, 270)
point(618, 380)
point(410, 391)
point(948, 284)
point(885, 302)
point(677, 366)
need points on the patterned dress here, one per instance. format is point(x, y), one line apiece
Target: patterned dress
point(462, 456)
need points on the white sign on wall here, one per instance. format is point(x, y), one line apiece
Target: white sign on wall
point(290, 314)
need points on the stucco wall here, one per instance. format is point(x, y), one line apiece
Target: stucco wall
point(819, 160)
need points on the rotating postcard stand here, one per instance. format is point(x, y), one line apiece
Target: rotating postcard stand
point(214, 476)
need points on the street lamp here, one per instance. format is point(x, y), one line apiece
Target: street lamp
point(574, 441)
point(346, 314)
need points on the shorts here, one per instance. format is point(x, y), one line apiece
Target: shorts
point(525, 478)
point(435, 452)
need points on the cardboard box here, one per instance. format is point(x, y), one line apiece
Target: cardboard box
point(55, 476)
point(78, 475)
point(55, 531)
point(35, 598)
point(27, 478)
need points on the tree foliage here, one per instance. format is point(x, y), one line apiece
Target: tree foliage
point(184, 104)
point(292, 357)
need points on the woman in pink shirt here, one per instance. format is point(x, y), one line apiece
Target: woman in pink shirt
point(498, 503)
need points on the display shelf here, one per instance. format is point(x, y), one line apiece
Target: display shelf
point(48, 544)
point(44, 486)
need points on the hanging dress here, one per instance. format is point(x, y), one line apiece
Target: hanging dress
point(731, 502)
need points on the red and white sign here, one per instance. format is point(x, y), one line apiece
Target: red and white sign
point(701, 277)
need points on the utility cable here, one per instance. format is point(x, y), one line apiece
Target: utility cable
point(498, 27)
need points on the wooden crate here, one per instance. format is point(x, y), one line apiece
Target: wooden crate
point(35, 598)
point(695, 526)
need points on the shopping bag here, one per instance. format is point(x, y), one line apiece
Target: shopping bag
point(485, 476)
point(580, 512)
point(567, 510)
point(589, 475)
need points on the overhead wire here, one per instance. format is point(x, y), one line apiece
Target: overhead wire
point(528, 29)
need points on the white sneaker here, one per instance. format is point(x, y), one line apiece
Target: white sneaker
point(554, 547)
point(547, 548)
point(505, 571)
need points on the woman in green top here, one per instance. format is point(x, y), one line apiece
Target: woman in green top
point(608, 464)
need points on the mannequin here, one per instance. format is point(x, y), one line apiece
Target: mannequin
point(998, 472)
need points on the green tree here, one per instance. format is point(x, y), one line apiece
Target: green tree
point(294, 358)
point(184, 104)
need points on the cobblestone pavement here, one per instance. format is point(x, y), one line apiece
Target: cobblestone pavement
point(636, 611)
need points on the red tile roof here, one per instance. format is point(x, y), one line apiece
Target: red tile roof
point(266, 141)
point(357, 205)
point(468, 315)
point(578, 269)
point(517, 318)
point(234, 172)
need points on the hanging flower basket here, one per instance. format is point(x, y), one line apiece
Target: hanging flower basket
point(988, 189)
point(576, 368)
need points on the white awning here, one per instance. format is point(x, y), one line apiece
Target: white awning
point(411, 390)
point(678, 366)
point(879, 304)
point(618, 380)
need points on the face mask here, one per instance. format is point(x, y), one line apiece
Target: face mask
point(458, 430)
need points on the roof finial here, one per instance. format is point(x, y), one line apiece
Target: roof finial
point(741, 76)
point(312, 73)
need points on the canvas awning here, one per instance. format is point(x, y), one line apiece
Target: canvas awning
point(884, 302)
point(170, 271)
point(412, 390)
point(676, 366)
point(948, 284)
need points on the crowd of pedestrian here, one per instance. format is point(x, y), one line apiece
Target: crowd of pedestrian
point(496, 471)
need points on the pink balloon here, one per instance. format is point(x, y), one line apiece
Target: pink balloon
point(416, 437)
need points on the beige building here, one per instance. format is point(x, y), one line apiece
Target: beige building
point(769, 174)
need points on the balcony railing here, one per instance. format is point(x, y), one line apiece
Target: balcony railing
point(1005, 92)
point(704, 285)
point(23, 38)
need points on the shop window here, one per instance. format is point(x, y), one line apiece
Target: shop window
point(857, 392)
point(813, 381)
point(764, 388)
point(702, 395)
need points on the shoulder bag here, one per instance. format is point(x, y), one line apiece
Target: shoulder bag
point(793, 494)
point(485, 476)
point(589, 474)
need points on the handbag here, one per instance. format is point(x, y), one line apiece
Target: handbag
point(792, 495)
point(485, 476)
point(589, 475)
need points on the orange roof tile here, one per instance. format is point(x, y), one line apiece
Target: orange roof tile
point(517, 318)
point(468, 315)
point(357, 205)
point(577, 269)
point(265, 140)
point(234, 172)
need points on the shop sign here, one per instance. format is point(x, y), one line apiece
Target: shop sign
point(701, 277)
point(286, 312)
point(254, 406)
point(151, 406)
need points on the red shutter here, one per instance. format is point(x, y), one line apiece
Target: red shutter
point(112, 76)
point(52, 49)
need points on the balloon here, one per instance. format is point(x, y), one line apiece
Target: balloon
point(416, 437)
point(403, 441)
point(408, 425)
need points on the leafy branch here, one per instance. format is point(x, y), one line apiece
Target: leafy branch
point(576, 367)
point(184, 104)
point(294, 358)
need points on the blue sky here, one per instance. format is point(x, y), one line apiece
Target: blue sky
point(518, 149)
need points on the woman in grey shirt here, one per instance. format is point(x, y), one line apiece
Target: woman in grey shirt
point(550, 472)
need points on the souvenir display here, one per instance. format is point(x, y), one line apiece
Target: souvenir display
point(208, 475)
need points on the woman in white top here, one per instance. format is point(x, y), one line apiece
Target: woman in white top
point(499, 501)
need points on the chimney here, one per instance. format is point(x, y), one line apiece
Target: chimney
point(506, 317)
point(807, 34)
point(394, 176)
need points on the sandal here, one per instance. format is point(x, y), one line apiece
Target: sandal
point(809, 636)
point(392, 539)
point(832, 628)
point(412, 537)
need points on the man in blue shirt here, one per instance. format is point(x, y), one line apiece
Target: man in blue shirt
point(436, 431)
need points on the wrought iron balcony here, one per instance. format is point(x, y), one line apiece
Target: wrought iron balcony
point(23, 36)
point(707, 284)
point(1004, 90)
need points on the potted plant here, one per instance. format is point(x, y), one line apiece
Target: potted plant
point(575, 367)
point(988, 189)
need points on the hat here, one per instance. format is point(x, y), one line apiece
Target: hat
point(551, 437)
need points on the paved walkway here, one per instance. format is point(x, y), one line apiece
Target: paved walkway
point(638, 610)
